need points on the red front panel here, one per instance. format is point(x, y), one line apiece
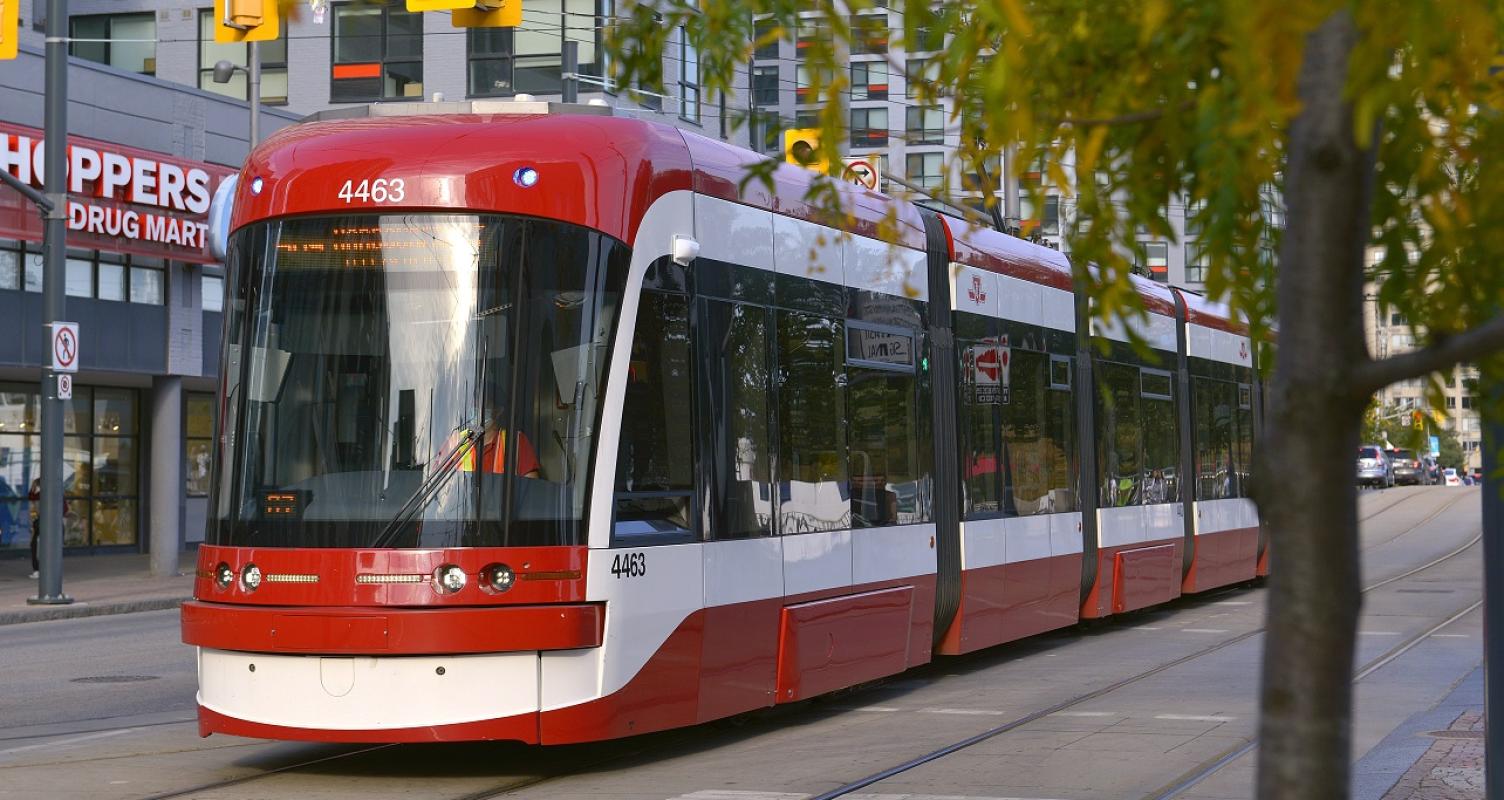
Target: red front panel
point(831, 644)
point(1145, 576)
point(544, 575)
point(394, 631)
point(1223, 558)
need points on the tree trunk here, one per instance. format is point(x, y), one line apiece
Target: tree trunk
point(1305, 482)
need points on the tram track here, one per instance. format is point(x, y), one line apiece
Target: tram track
point(1209, 768)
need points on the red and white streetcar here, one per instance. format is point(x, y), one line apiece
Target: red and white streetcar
point(536, 424)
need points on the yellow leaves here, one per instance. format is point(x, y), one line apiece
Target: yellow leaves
point(1091, 149)
point(1155, 13)
point(1016, 17)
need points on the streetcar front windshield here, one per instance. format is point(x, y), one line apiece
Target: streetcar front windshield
point(412, 380)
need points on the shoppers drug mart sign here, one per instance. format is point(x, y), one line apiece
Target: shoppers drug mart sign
point(120, 199)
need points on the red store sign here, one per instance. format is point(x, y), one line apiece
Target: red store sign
point(120, 199)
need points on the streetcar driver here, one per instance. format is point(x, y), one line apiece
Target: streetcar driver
point(493, 453)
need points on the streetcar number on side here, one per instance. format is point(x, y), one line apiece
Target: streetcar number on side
point(629, 565)
point(380, 190)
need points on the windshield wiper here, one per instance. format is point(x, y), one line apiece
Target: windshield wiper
point(430, 486)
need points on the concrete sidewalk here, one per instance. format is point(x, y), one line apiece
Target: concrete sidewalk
point(98, 584)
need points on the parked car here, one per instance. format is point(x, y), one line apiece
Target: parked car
point(1407, 466)
point(1450, 477)
point(1374, 468)
point(1478, 476)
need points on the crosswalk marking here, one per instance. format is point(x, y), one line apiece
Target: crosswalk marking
point(1194, 717)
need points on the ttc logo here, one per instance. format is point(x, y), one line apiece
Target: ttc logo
point(976, 294)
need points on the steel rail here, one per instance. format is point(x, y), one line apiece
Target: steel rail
point(1034, 716)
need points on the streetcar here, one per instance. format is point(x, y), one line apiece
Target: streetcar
point(539, 423)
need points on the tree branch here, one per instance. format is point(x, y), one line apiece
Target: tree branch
point(1372, 376)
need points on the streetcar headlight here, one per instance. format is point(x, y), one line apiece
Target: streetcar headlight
point(526, 177)
point(250, 577)
point(448, 579)
point(223, 575)
point(498, 577)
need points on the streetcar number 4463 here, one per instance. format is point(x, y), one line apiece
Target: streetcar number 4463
point(381, 190)
point(629, 565)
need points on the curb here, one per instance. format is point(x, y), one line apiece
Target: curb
point(84, 609)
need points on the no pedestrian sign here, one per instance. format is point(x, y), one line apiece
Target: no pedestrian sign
point(64, 346)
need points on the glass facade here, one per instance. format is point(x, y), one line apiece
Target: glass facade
point(101, 465)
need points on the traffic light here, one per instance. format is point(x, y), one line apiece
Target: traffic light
point(1419, 420)
point(246, 21)
point(474, 13)
point(10, 28)
point(801, 147)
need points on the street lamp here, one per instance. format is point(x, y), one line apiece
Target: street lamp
point(224, 70)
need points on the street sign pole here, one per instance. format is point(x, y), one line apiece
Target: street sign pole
point(55, 169)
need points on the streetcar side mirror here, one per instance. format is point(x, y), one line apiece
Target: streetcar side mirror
point(220, 210)
point(684, 250)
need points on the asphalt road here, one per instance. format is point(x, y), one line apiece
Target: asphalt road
point(62, 737)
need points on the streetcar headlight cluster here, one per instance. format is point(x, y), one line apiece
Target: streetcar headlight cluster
point(498, 578)
point(250, 577)
point(448, 579)
point(223, 575)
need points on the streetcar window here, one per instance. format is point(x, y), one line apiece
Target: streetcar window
point(1036, 450)
point(1161, 434)
point(979, 424)
point(1216, 460)
point(813, 492)
point(414, 380)
point(1118, 435)
point(889, 456)
point(655, 460)
point(734, 344)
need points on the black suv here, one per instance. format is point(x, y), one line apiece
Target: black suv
point(1408, 467)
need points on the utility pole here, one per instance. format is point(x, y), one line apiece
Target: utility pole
point(571, 92)
point(55, 182)
point(1012, 207)
point(254, 73)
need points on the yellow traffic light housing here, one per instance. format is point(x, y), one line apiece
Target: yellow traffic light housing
point(1419, 420)
point(10, 28)
point(474, 13)
point(801, 147)
point(246, 21)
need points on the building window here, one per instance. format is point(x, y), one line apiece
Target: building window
point(926, 124)
point(78, 275)
point(530, 59)
point(100, 456)
point(869, 34)
point(1048, 220)
point(378, 53)
point(1451, 402)
point(1195, 261)
point(273, 64)
point(765, 86)
point(869, 80)
point(148, 284)
point(767, 131)
point(12, 257)
point(925, 170)
point(213, 293)
point(1156, 261)
point(812, 31)
point(689, 79)
point(767, 42)
point(804, 83)
point(126, 41)
point(921, 72)
point(869, 127)
point(1398, 319)
point(198, 430)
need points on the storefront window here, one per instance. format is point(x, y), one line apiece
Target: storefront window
point(127, 41)
point(10, 264)
point(199, 446)
point(147, 285)
point(213, 293)
point(101, 480)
